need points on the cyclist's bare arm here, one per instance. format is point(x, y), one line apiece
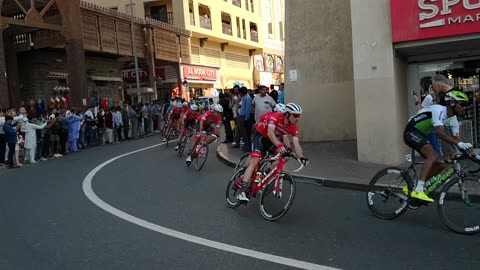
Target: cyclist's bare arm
point(286, 141)
point(440, 130)
point(271, 135)
point(297, 148)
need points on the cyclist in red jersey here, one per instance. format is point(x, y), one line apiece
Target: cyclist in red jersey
point(174, 116)
point(205, 122)
point(267, 131)
point(189, 118)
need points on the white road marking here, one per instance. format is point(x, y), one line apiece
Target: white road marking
point(87, 189)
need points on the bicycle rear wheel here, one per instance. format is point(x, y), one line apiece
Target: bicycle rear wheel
point(274, 206)
point(233, 188)
point(385, 196)
point(459, 205)
point(202, 157)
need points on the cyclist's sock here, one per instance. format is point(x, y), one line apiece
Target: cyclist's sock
point(420, 185)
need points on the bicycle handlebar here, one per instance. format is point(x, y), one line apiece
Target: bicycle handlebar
point(291, 155)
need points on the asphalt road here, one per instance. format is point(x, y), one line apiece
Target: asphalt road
point(47, 221)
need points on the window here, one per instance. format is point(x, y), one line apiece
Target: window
point(237, 3)
point(239, 27)
point(246, 4)
point(205, 17)
point(251, 6)
point(128, 9)
point(226, 24)
point(244, 26)
point(268, 13)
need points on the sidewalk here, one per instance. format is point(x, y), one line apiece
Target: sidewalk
point(332, 164)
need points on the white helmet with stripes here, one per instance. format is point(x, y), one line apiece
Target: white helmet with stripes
point(293, 108)
point(218, 108)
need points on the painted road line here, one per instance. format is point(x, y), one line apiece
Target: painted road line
point(87, 189)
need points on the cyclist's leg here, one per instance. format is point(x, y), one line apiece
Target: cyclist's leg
point(419, 142)
point(255, 155)
point(195, 140)
point(211, 139)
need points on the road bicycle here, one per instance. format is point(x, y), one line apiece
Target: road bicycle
point(187, 134)
point(245, 158)
point(200, 154)
point(275, 187)
point(458, 199)
point(171, 132)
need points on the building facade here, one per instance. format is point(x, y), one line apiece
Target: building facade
point(225, 36)
point(81, 60)
point(269, 66)
point(354, 74)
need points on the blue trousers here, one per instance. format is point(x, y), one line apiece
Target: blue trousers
point(433, 139)
point(73, 145)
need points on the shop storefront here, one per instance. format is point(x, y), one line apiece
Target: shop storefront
point(200, 81)
point(268, 70)
point(443, 38)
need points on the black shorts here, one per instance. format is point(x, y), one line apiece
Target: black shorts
point(208, 129)
point(260, 144)
point(415, 139)
point(189, 123)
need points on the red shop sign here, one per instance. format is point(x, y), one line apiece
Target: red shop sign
point(199, 73)
point(423, 19)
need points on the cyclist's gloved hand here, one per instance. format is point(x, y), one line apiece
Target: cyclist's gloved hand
point(464, 146)
point(280, 149)
point(215, 133)
point(304, 161)
point(197, 136)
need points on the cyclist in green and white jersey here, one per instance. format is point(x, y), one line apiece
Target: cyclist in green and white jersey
point(415, 136)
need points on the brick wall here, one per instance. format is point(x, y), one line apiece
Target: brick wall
point(35, 66)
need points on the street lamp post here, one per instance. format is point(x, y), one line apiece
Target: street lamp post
point(134, 45)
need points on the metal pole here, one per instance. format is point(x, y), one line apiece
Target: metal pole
point(134, 45)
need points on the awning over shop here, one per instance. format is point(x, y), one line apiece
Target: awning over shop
point(57, 75)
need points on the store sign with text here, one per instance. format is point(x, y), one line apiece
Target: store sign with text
point(130, 75)
point(424, 19)
point(199, 73)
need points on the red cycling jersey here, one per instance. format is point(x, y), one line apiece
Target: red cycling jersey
point(278, 121)
point(185, 109)
point(176, 111)
point(209, 118)
point(191, 115)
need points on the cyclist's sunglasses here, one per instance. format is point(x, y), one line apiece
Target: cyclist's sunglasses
point(296, 115)
point(462, 104)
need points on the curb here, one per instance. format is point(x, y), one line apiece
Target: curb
point(306, 179)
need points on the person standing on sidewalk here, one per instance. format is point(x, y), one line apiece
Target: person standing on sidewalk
point(10, 132)
point(126, 121)
point(246, 119)
point(3, 139)
point(134, 120)
point(262, 103)
point(226, 118)
point(74, 129)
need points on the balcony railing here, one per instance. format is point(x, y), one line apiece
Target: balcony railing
point(237, 3)
point(227, 29)
point(192, 19)
point(205, 23)
point(166, 17)
point(254, 36)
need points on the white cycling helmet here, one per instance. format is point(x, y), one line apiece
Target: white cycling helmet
point(279, 108)
point(178, 104)
point(185, 103)
point(194, 107)
point(293, 108)
point(218, 108)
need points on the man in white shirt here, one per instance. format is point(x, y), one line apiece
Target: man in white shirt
point(262, 103)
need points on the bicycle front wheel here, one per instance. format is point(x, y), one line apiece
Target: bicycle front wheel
point(387, 195)
point(181, 147)
point(274, 204)
point(243, 162)
point(459, 205)
point(202, 157)
point(233, 188)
